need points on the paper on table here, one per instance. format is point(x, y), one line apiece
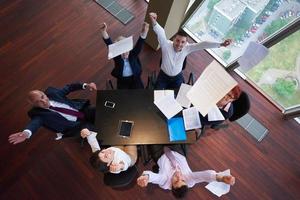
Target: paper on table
point(191, 118)
point(219, 188)
point(214, 114)
point(161, 93)
point(120, 47)
point(254, 53)
point(181, 96)
point(168, 106)
point(213, 84)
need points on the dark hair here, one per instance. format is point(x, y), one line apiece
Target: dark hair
point(181, 33)
point(97, 163)
point(180, 192)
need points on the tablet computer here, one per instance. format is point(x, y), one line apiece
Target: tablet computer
point(125, 128)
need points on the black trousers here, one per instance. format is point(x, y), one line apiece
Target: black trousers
point(157, 150)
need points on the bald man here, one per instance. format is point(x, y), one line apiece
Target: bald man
point(54, 111)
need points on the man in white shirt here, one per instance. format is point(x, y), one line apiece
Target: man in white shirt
point(113, 159)
point(175, 174)
point(174, 53)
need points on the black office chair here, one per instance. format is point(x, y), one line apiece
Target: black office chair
point(123, 179)
point(151, 80)
point(109, 85)
point(241, 107)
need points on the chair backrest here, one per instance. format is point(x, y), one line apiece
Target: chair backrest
point(151, 80)
point(241, 106)
point(109, 85)
point(191, 79)
point(122, 179)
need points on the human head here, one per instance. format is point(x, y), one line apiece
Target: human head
point(38, 99)
point(179, 187)
point(231, 96)
point(180, 40)
point(126, 54)
point(97, 163)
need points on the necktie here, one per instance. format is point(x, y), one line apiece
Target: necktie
point(67, 111)
point(171, 157)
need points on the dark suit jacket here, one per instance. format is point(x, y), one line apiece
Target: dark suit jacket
point(226, 115)
point(133, 59)
point(54, 121)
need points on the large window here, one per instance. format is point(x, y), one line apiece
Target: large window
point(278, 75)
point(241, 20)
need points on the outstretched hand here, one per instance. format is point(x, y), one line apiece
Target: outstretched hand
point(17, 137)
point(91, 86)
point(226, 42)
point(143, 180)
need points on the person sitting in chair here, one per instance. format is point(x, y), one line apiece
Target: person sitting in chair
point(225, 106)
point(175, 174)
point(128, 68)
point(113, 159)
point(53, 110)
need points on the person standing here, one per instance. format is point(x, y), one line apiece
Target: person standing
point(174, 53)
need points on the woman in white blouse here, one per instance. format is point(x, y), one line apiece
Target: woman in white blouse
point(113, 159)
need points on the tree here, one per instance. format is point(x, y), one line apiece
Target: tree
point(285, 87)
point(226, 54)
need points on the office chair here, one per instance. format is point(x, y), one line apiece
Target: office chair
point(109, 85)
point(241, 107)
point(123, 179)
point(151, 80)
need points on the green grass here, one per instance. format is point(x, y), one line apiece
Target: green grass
point(281, 56)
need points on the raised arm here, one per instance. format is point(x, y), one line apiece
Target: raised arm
point(91, 138)
point(207, 45)
point(160, 32)
point(77, 86)
point(30, 129)
point(139, 44)
point(103, 30)
point(150, 177)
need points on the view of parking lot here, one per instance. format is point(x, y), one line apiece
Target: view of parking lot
point(278, 75)
point(252, 20)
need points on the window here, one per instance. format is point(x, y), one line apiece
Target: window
point(278, 75)
point(241, 20)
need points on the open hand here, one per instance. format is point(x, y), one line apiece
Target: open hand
point(17, 137)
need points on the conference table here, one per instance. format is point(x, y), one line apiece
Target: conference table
point(150, 125)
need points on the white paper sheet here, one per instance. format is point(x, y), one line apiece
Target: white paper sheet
point(161, 93)
point(191, 118)
point(120, 47)
point(181, 96)
point(219, 188)
point(254, 53)
point(213, 84)
point(214, 114)
point(168, 106)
